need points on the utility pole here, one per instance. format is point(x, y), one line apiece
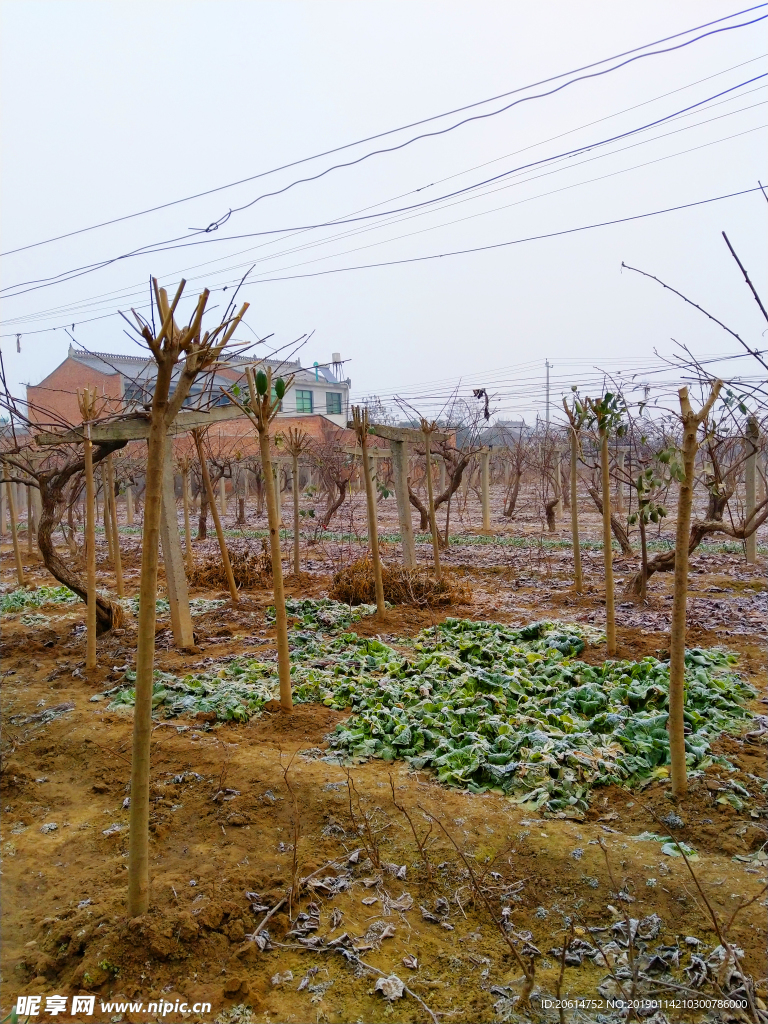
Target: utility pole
point(548, 366)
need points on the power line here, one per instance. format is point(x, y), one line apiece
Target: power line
point(121, 293)
point(516, 241)
point(68, 275)
point(413, 124)
point(463, 252)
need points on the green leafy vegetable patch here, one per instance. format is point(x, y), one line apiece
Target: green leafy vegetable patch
point(483, 705)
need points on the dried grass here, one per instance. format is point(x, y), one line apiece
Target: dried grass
point(354, 584)
point(251, 568)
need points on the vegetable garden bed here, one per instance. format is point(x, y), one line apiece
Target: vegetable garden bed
point(484, 705)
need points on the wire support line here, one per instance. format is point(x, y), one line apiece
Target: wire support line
point(457, 252)
point(129, 292)
point(495, 209)
point(416, 124)
point(24, 287)
point(502, 245)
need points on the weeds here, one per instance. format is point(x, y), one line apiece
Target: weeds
point(421, 843)
point(362, 824)
point(528, 967)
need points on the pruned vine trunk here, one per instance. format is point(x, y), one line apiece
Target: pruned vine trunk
point(202, 519)
point(549, 511)
point(52, 485)
point(510, 503)
point(454, 482)
point(420, 507)
point(334, 504)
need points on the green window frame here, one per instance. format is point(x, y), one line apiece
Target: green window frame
point(303, 401)
point(333, 403)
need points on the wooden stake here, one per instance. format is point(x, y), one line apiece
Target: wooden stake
point(360, 420)
point(426, 429)
point(676, 723)
point(14, 527)
point(577, 577)
point(610, 611)
point(296, 534)
point(30, 523)
point(750, 480)
point(106, 516)
point(620, 459)
point(223, 495)
point(129, 505)
point(273, 515)
point(485, 489)
point(187, 530)
point(87, 398)
point(216, 520)
point(399, 451)
point(173, 559)
point(3, 508)
point(118, 562)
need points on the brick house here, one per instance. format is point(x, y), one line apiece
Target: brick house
point(126, 382)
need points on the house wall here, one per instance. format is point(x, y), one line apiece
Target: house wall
point(54, 399)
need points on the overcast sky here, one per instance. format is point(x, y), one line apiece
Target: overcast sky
point(111, 108)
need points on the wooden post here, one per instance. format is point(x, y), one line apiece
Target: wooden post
point(621, 456)
point(187, 530)
point(106, 516)
point(129, 505)
point(441, 479)
point(110, 493)
point(296, 534)
point(173, 559)
point(223, 495)
point(750, 480)
point(30, 523)
point(37, 507)
point(14, 527)
point(215, 515)
point(400, 472)
point(427, 431)
point(610, 613)
point(87, 399)
point(485, 489)
point(577, 578)
point(3, 507)
point(360, 420)
point(558, 484)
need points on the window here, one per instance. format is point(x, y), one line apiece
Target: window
point(133, 392)
point(333, 403)
point(303, 401)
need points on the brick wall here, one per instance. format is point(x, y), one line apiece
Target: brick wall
point(55, 399)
